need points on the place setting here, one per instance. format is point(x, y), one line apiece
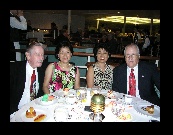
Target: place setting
point(147, 109)
point(32, 114)
point(46, 100)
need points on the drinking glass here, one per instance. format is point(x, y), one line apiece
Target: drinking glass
point(128, 99)
point(95, 90)
point(81, 93)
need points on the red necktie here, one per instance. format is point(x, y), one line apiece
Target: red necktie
point(33, 86)
point(132, 84)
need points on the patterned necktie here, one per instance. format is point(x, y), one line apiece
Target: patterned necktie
point(132, 84)
point(33, 86)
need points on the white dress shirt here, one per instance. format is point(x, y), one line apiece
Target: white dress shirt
point(22, 24)
point(26, 94)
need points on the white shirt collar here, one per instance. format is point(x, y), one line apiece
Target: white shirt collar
point(129, 69)
point(29, 68)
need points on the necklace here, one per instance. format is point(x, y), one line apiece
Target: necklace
point(67, 65)
point(100, 67)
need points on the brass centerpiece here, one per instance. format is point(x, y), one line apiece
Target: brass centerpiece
point(97, 103)
point(97, 106)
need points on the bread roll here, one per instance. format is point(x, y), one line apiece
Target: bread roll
point(39, 118)
point(30, 113)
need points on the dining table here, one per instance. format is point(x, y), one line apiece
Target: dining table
point(69, 107)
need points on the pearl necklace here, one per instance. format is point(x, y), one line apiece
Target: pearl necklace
point(68, 64)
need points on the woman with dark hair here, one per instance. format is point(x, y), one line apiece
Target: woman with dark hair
point(100, 74)
point(62, 74)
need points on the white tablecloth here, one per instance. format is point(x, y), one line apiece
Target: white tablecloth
point(109, 116)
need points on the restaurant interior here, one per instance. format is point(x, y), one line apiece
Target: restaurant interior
point(86, 29)
point(122, 23)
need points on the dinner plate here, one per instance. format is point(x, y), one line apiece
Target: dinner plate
point(20, 115)
point(44, 103)
point(61, 114)
point(140, 108)
point(60, 93)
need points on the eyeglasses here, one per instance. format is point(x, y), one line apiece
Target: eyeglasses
point(132, 55)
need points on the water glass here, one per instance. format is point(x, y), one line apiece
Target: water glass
point(95, 90)
point(81, 93)
point(128, 99)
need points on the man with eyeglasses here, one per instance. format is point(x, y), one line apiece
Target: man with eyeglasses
point(146, 74)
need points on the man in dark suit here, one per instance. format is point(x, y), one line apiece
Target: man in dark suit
point(146, 74)
point(20, 74)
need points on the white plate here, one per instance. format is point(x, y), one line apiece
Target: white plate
point(61, 114)
point(20, 115)
point(44, 103)
point(60, 93)
point(138, 107)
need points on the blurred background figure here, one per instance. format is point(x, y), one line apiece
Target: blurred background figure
point(146, 48)
point(54, 30)
point(64, 36)
point(158, 37)
point(17, 23)
point(79, 35)
point(112, 45)
point(138, 35)
point(29, 27)
point(104, 39)
point(156, 46)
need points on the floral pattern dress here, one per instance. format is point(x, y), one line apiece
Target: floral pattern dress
point(62, 79)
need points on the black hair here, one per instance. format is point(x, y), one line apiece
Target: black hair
point(62, 45)
point(103, 46)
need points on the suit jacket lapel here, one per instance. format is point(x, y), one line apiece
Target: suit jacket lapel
point(22, 76)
